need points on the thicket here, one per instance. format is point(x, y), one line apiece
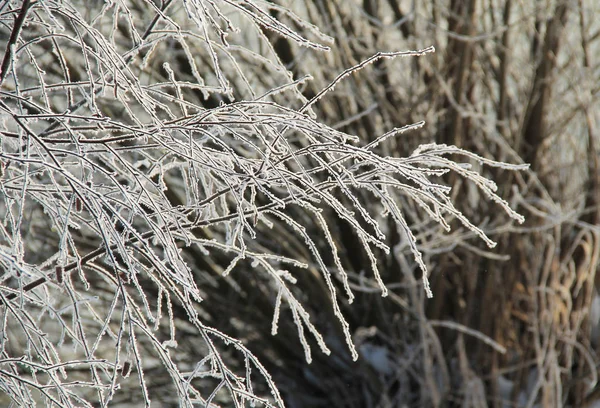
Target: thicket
point(244, 202)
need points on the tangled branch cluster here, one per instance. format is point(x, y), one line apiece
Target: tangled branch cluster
point(138, 136)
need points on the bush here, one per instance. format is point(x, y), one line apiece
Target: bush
point(166, 180)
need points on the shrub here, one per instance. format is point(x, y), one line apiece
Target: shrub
point(153, 152)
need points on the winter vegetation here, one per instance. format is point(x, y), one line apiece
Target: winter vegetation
point(276, 203)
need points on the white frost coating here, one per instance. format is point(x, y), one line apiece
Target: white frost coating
point(150, 197)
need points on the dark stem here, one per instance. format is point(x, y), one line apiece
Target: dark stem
point(14, 36)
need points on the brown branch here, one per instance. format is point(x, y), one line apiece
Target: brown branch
point(14, 36)
point(534, 128)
